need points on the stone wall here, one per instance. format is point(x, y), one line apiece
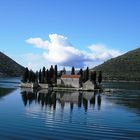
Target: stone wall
point(44, 86)
point(59, 81)
point(74, 82)
point(28, 85)
point(88, 85)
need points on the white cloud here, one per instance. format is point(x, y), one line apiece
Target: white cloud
point(102, 52)
point(58, 50)
point(38, 42)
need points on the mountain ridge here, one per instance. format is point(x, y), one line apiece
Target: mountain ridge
point(124, 67)
point(9, 67)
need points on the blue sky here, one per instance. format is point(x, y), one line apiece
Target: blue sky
point(96, 30)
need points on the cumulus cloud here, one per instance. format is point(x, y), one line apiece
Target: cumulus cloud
point(101, 52)
point(58, 50)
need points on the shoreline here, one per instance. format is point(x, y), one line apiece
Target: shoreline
point(54, 88)
point(121, 81)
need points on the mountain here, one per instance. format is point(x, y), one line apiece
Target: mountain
point(9, 67)
point(124, 67)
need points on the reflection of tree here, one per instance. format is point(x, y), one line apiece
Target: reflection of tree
point(47, 98)
point(99, 101)
point(24, 97)
point(71, 106)
point(80, 100)
point(44, 99)
point(85, 104)
point(92, 100)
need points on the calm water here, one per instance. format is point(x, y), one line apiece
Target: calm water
point(27, 114)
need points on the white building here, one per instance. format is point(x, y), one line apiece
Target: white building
point(69, 80)
point(88, 85)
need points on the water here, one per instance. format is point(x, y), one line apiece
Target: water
point(27, 114)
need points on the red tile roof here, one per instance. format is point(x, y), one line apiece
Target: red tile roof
point(70, 76)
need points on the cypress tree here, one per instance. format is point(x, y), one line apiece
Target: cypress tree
point(30, 76)
point(87, 74)
point(39, 76)
point(55, 73)
point(84, 76)
point(33, 77)
point(60, 73)
point(64, 71)
point(25, 75)
point(93, 76)
point(81, 73)
point(51, 74)
point(43, 75)
point(47, 76)
point(100, 77)
point(73, 71)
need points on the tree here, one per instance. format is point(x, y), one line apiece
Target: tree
point(47, 76)
point(51, 74)
point(25, 75)
point(64, 71)
point(55, 73)
point(100, 77)
point(60, 73)
point(84, 76)
point(93, 76)
point(39, 76)
point(43, 75)
point(80, 72)
point(72, 71)
point(87, 74)
point(31, 76)
point(81, 78)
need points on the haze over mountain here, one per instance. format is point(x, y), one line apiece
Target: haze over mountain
point(124, 67)
point(9, 67)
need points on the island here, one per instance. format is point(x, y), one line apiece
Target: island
point(82, 80)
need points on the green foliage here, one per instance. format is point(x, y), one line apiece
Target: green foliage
point(52, 73)
point(55, 74)
point(87, 74)
point(81, 72)
point(29, 76)
point(72, 71)
point(100, 77)
point(124, 67)
point(44, 75)
point(93, 76)
point(25, 75)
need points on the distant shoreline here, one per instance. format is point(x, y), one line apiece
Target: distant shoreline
point(121, 81)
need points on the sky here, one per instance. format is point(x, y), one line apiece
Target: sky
point(80, 33)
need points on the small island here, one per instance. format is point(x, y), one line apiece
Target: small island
point(82, 80)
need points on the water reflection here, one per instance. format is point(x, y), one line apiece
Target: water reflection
point(5, 91)
point(48, 98)
point(99, 101)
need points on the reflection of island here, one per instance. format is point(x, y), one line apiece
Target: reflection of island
point(5, 91)
point(99, 101)
point(41, 97)
point(48, 98)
